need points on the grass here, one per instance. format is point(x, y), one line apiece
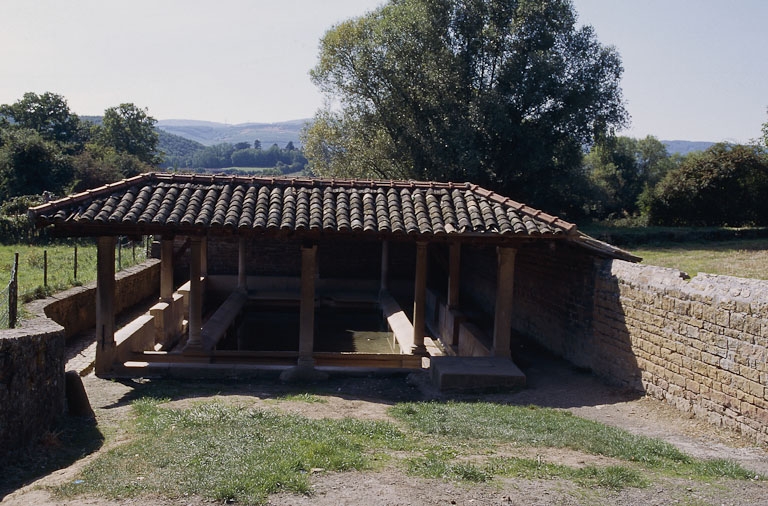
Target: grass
point(744, 258)
point(229, 453)
point(226, 452)
point(60, 266)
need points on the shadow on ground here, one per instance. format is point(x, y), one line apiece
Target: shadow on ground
point(72, 439)
point(551, 382)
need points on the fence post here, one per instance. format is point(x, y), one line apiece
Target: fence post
point(133, 250)
point(45, 268)
point(119, 253)
point(75, 269)
point(13, 293)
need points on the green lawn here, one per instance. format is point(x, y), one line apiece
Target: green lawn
point(745, 258)
point(229, 452)
point(61, 273)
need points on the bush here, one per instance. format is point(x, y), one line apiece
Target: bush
point(726, 185)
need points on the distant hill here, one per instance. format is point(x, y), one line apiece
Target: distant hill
point(209, 133)
point(685, 147)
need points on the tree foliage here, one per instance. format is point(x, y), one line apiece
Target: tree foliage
point(724, 185)
point(129, 129)
point(29, 164)
point(48, 115)
point(622, 169)
point(504, 93)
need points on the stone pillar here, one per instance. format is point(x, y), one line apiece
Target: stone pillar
point(242, 278)
point(420, 299)
point(166, 270)
point(307, 306)
point(195, 296)
point(505, 283)
point(105, 306)
point(384, 266)
point(454, 272)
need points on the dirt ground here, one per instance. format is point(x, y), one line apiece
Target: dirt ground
point(551, 383)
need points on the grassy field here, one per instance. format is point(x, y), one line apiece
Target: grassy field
point(746, 258)
point(61, 273)
point(229, 452)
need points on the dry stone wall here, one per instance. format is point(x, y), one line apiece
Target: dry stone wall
point(32, 395)
point(701, 345)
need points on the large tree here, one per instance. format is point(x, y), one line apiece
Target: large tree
point(505, 93)
point(49, 115)
point(129, 129)
point(622, 169)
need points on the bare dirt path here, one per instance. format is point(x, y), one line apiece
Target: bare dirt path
point(551, 383)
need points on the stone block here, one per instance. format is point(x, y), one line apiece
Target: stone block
point(472, 374)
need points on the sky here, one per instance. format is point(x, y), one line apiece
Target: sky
point(693, 69)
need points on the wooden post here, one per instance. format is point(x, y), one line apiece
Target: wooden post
point(242, 278)
point(307, 306)
point(45, 268)
point(384, 266)
point(166, 269)
point(195, 297)
point(13, 293)
point(75, 263)
point(105, 305)
point(454, 272)
point(119, 254)
point(505, 283)
point(204, 257)
point(420, 299)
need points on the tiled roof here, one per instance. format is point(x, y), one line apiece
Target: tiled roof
point(173, 203)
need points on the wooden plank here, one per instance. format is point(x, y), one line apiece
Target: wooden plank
point(217, 325)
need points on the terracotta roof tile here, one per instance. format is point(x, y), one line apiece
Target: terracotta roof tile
point(158, 203)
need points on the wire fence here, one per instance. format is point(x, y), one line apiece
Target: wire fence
point(45, 274)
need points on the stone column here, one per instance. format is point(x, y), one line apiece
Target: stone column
point(505, 283)
point(105, 306)
point(384, 266)
point(195, 296)
point(454, 272)
point(307, 306)
point(166, 270)
point(420, 299)
point(242, 278)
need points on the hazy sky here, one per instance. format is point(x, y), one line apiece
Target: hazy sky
point(694, 69)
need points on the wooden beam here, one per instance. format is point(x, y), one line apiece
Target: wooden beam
point(454, 273)
point(105, 306)
point(166, 269)
point(420, 299)
point(505, 284)
point(384, 266)
point(242, 277)
point(195, 297)
point(307, 306)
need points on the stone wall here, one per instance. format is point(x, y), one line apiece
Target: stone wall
point(32, 363)
point(701, 345)
point(75, 309)
point(31, 381)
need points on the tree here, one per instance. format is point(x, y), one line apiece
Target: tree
point(242, 145)
point(290, 146)
point(724, 185)
point(30, 164)
point(128, 129)
point(257, 144)
point(49, 115)
point(504, 93)
point(621, 169)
